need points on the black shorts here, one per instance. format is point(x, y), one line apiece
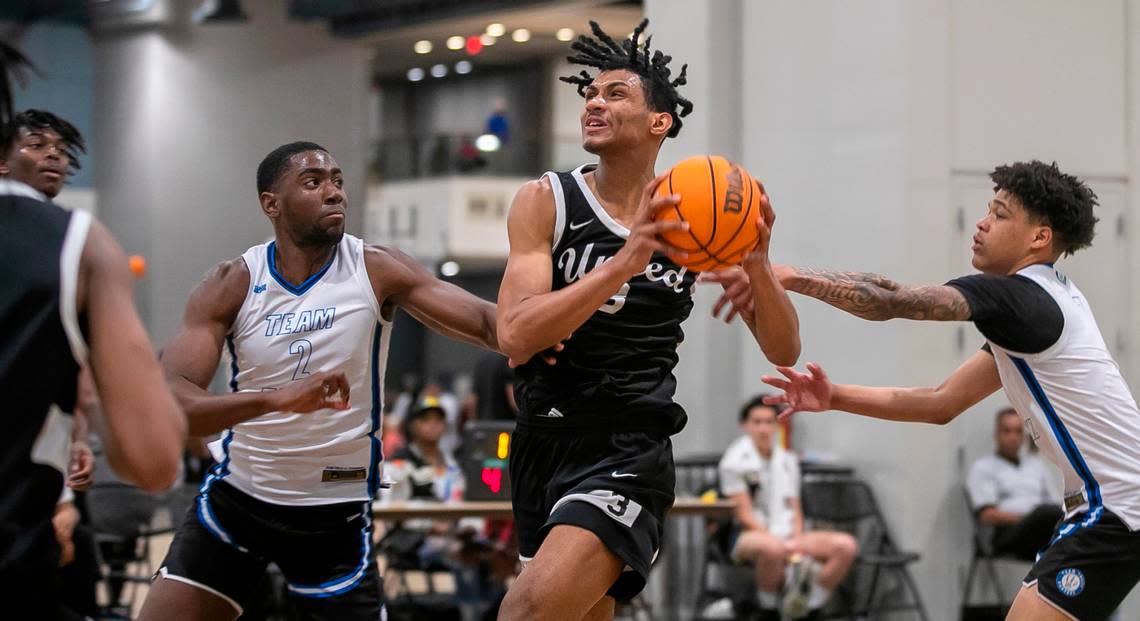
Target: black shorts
point(324, 552)
point(617, 486)
point(1090, 566)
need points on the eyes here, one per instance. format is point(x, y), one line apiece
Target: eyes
point(313, 183)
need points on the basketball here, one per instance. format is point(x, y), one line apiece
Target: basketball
point(721, 203)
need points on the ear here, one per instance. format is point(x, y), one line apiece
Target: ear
point(1042, 238)
point(270, 206)
point(660, 123)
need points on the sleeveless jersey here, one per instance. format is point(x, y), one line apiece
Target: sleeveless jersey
point(616, 371)
point(331, 322)
point(1078, 408)
point(41, 348)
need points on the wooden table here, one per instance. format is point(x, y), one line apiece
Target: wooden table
point(501, 509)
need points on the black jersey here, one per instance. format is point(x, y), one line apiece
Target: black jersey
point(616, 371)
point(40, 247)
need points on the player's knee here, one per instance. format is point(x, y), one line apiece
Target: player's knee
point(760, 547)
point(522, 603)
point(845, 547)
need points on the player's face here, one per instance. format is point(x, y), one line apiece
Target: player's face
point(761, 426)
point(39, 159)
point(1004, 235)
point(617, 113)
point(312, 199)
point(1009, 435)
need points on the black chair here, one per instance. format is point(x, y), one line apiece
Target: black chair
point(985, 557)
point(849, 504)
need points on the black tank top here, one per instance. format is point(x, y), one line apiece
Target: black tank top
point(616, 372)
point(37, 366)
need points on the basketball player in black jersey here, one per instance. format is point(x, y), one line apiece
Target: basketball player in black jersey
point(66, 300)
point(591, 464)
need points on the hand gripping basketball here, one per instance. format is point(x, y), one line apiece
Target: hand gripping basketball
point(645, 236)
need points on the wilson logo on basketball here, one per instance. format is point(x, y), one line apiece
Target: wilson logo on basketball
point(734, 195)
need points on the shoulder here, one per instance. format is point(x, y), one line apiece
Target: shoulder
point(535, 199)
point(390, 266)
point(222, 291)
point(737, 454)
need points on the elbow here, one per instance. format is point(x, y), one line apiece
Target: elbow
point(785, 355)
point(512, 346)
point(943, 416)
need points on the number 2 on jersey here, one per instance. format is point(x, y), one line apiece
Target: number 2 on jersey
point(304, 349)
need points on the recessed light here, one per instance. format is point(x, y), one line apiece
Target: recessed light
point(564, 34)
point(522, 35)
point(487, 40)
point(488, 143)
point(422, 46)
point(455, 42)
point(463, 67)
point(415, 74)
point(496, 29)
point(438, 71)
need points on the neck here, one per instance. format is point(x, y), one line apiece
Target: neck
point(620, 178)
point(765, 451)
point(430, 451)
point(297, 263)
point(1031, 260)
point(1014, 457)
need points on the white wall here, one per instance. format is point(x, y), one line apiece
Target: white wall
point(187, 112)
point(872, 124)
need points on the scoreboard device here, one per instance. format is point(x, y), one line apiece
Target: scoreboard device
point(487, 448)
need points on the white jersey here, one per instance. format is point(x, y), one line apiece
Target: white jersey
point(772, 483)
point(1077, 408)
point(331, 322)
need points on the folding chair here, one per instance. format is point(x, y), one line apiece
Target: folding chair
point(850, 504)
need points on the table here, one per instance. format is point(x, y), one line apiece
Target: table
point(501, 509)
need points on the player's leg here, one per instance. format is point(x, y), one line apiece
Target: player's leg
point(567, 579)
point(834, 551)
point(204, 576)
point(768, 553)
point(325, 555)
point(1029, 606)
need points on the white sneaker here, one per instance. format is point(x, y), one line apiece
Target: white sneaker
point(799, 577)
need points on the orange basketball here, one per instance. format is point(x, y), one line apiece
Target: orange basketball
point(721, 203)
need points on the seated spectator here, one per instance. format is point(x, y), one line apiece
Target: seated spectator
point(1013, 493)
point(763, 480)
point(423, 469)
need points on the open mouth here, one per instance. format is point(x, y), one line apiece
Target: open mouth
point(54, 175)
point(595, 123)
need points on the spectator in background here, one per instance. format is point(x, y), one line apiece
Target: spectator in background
point(763, 481)
point(497, 123)
point(469, 158)
point(423, 468)
point(494, 388)
point(1014, 493)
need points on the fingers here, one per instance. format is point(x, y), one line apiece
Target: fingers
point(720, 303)
point(775, 382)
point(817, 371)
point(790, 373)
point(336, 390)
point(732, 313)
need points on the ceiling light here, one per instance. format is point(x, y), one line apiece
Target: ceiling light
point(449, 269)
point(422, 47)
point(488, 143)
point(463, 67)
point(475, 44)
point(487, 40)
point(496, 29)
point(522, 35)
point(438, 71)
point(415, 74)
point(455, 42)
point(564, 34)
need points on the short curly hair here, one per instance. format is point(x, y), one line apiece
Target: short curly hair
point(606, 54)
point(35, 120)
point(1061, 201)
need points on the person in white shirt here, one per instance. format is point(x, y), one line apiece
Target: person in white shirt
point(1013, 493)
point(763, 481)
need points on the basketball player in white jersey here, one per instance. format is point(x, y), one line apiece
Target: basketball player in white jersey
point(1044, 349)
point(306, 320)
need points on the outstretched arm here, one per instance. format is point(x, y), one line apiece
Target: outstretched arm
point(141, 424)
point(975, 380)
point(532, 317)
point(876, 297)
point(191, 358)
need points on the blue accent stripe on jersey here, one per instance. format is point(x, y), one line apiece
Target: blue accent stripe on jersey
point(205, 512)
point(377, 452)
point(1068, 446)
point(341, 584)
point(288, 286)
point(233, 363)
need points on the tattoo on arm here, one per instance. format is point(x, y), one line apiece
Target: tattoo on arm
point(878, 298)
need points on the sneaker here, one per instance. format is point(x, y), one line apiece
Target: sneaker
point(800, 575)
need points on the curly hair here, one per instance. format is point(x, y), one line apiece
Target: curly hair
point(1063, 202)
point(12, 65)
point(605, 54)
point(33, 120)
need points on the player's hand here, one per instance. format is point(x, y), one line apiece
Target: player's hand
point(63, 522)
point(736, 295)
point(803, 392)
point(764, 223)
point(316, 392)
point(80, 467)
point(645, 234)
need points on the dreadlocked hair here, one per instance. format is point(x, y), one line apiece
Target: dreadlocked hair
point(33, 120)
point(605, 54)
point(12, 62)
